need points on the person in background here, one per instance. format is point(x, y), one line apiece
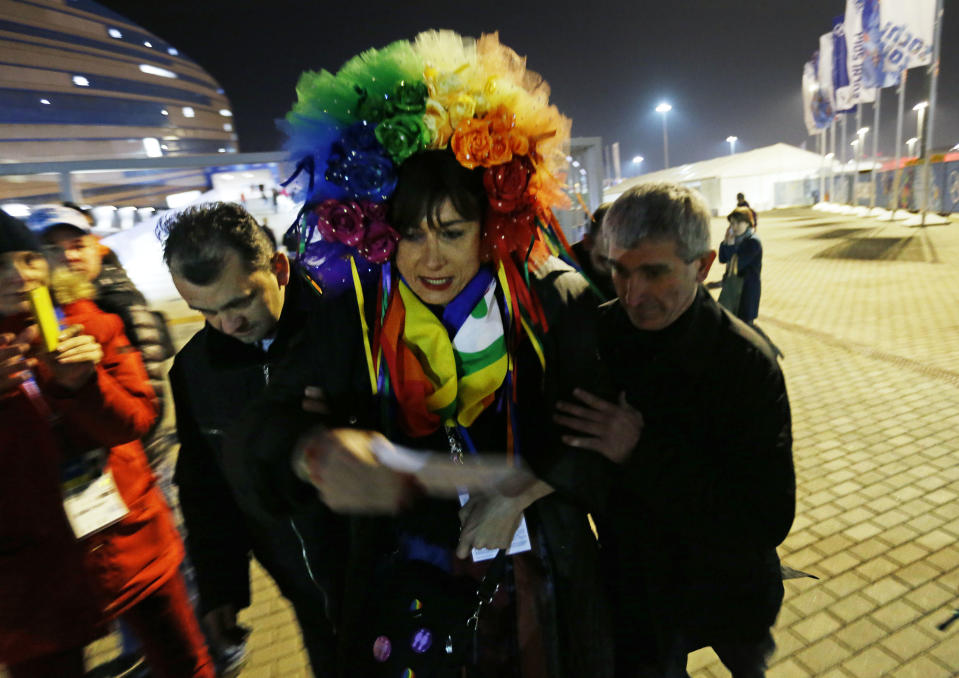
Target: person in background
point(708, 491)
point(741, 202)
point(65, 232)
point(587, 256)
point(227, 267)
point(71, 420)
point(742, 249)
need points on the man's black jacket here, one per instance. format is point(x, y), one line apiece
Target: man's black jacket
point(214, 377)
point(709, 492)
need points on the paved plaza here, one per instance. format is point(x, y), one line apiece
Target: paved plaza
point(867, 315)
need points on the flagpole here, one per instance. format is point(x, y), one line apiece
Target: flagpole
point(897, 171)
point(873, 173)
point(822, 162)
point(842, 171)
point(859, 154)
point(933, 90)
point(832, 161)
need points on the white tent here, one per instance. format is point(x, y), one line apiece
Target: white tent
point(754, 173)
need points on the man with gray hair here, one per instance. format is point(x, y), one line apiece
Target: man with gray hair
point(704, 487)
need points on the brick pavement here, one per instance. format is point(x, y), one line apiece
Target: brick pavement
point(867, 315)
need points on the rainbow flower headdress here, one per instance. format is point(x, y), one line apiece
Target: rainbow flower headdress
point(352, 130)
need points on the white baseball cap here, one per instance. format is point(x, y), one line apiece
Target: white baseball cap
point(45, 217)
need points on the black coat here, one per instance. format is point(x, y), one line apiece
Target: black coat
point(749, 254)
point(330, 355)
point(214, 377)
point(709, 492)
point(147, 331)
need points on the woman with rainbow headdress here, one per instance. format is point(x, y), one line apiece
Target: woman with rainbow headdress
point(451, 325)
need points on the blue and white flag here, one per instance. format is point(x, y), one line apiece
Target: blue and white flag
point(873, 75)
point(824, 69)
point(817, 110)
point(842, 87)
point(907, 34)
point(856, 43)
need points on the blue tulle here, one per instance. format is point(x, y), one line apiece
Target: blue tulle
point(328, 264)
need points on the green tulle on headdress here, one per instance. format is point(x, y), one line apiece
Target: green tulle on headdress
point(362, 88)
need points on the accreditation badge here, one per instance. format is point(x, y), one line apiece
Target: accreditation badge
point(91, 499)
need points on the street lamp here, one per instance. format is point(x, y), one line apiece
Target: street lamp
point(920, 108)
point(638, 160)
point(731, 140)
point(911, 144)
point(665, 108)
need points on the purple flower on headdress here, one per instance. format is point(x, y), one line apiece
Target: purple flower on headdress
point(380, 242)
point(341, 221)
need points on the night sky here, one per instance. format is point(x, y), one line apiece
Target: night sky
point(728, 68)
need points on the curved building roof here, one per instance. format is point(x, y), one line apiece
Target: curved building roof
point(79, 81)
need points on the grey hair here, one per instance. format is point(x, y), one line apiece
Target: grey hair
point(660, 211)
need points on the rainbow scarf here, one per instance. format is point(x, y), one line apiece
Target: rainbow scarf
point(444, 371)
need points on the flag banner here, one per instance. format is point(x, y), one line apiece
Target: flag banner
point(842, 88)
point(817, 110)
point(873, 75)
point(855, 59)
point(907, 33)
point(824, 69)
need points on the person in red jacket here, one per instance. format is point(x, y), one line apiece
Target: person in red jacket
point(71, 419)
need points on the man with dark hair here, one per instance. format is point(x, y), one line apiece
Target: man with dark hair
point(586, 254)
point(226, 266)
point(708, 491)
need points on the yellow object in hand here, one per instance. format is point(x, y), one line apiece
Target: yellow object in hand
point(46, 318)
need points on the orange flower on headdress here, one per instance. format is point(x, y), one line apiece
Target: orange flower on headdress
point(472, 143)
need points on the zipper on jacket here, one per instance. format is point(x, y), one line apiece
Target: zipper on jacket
point(309, 572)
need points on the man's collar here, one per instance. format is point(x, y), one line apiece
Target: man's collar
point(690, 348)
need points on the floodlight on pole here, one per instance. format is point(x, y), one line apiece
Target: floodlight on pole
point(731, 140)
point(911, 145)
point(665, 108)
point(638, 159)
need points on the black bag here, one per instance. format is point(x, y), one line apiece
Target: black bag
point(423, 619)
point(732, 292)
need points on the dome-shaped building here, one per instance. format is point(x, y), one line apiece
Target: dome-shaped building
point(79, 81)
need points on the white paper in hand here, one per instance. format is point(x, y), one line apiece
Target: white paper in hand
point(520, 543)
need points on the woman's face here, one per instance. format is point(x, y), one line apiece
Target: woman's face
point(438, 263)
point(20, 272)
point(739, 227)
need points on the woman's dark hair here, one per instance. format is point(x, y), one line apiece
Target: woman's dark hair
point(425, 181)
point(197, 240)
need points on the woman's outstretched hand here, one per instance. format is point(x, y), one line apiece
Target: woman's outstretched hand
point(613, 429)
point(340, 463)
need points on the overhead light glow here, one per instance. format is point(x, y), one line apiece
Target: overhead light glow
point(164, 111)
point(226, 112)
point(156, 70)
point(114, 33)
point(638, 159)
point(45, 102)
point(664, 108)
point(172, 51)
point(164, 147)
point(922, 105)
point(188, 112)
point(152, 147)
point(227, 127)
point(147, 43)
point(80, 81)
point(221, 150)
point(731, 139)
point(576, 163)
